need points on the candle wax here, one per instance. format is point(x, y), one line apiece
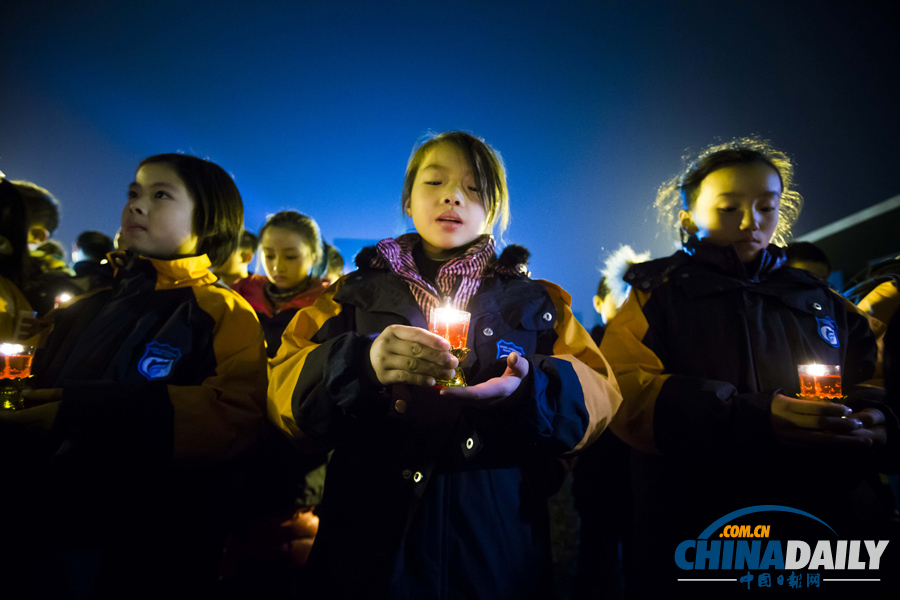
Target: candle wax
point(455, 333)
point(820, 386)
point(15, 366)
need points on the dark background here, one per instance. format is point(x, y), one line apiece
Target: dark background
point(316, 106)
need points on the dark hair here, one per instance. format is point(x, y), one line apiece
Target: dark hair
point(41, 206)
point(94, 244)
point(487, 169)
point(304, 226)
point(602, 288)
point(807, 252)
point(218, 208)
point(13, 232)
point(681, 191)
point(333, 259)
point(249, 241)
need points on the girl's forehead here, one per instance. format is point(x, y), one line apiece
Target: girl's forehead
point(279, 236)
point(742, 177)
point(157, 173)
point(446, 156)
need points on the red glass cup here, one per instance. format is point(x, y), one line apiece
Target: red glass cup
point(820, 382)
point(453, 326)
point(15, 368)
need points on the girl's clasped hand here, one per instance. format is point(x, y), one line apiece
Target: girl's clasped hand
point(404, 354)
point(799, 422)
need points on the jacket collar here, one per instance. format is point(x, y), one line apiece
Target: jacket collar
point(181, 272)
point(725, 260)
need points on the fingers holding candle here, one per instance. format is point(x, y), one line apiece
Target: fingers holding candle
point(798, 422)
point(403, 354)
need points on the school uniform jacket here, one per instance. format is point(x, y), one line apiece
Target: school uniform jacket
point(164, 363)
point(426, 497)
point(699, 348)
point(273, 322)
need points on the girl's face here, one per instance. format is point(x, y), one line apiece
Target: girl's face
point(737, 206)
point(287, 257)
point(158, 219)
point(444, 204)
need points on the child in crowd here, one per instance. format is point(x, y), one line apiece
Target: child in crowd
point(612, 289)
point(437, 493)
point(335, 264)
point(706, 350)
point(154, 389)
point(292, 256)
point(92, 268)
point(807, 256)
point(288, 483)
point(237, 266)
point(13, 246)
point(43, 219)
point(601, 478)
point(47, 280)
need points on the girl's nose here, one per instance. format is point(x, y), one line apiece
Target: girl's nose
point(454, 198)
point(138, 206)
point(750, 221)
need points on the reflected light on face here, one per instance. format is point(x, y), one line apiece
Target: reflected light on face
point(737, 206)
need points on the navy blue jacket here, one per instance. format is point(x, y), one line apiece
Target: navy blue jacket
point(425, 497)
point(699, 349)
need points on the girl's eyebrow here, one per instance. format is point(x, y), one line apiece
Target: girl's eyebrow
point(434, 166)
point(769, 193)
point(161, 184)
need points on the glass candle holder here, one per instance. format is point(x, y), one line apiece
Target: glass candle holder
point(820, 382)
point(453, 326)
point(15, 369)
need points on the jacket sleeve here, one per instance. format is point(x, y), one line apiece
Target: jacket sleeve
point(317, 386)
point(214, 420)
point(871, 393)
point(882, 302)
point(573, 393)
point(665, 413)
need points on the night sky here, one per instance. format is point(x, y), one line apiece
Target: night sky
point(316, 106)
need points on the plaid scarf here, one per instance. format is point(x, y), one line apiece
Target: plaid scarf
point(458, 278)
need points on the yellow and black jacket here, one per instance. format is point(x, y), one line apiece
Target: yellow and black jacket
point(164, 359)
point(163, 380)
point(699, 349)
point(426, 496)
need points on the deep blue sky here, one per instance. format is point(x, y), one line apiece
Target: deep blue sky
point(316, 106)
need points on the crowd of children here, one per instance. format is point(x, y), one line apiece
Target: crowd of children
point(194, 428)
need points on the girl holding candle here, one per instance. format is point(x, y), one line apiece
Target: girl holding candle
point(706, 350)
point(153, 391)
point(460, 473)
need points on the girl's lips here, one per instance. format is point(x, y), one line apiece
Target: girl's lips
point(449, 221)
point(449, 225)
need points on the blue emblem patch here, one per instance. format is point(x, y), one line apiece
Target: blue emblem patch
point(828, 331)
point(158, 361)
point(505, 348)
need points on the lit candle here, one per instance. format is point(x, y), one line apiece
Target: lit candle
point(820, 381)
point(450, 324)
point(16, 361)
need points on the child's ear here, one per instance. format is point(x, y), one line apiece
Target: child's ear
point(406, 209)
point(246, 257)
point(597, 303)
point(687, 223)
